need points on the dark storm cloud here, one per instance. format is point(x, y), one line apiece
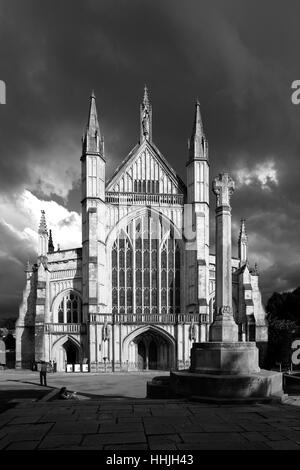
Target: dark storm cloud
point(238, 57)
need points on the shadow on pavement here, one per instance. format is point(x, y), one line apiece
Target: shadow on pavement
point(9, 398)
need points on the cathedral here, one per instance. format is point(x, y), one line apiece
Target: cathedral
point(141, 288)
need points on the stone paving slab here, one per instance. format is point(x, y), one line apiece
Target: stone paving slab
point(24, 445)
point(149, 424)
point(159, 428)
point(60, 441)
point(120, 427)
point(114, 438)
point(79, 427)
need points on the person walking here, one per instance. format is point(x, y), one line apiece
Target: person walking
point(43, 373)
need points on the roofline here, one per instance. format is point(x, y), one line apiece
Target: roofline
point(157, 151)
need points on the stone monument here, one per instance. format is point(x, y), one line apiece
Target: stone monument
point(223, 367)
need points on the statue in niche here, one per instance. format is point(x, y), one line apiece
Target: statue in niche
point(145, 122)
point(105, 331)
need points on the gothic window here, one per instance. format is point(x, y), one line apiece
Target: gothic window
point(122, 275)
point(61, 313)
point(145, 278)
point(170, 276)
point(69, 310)
point(143, 186)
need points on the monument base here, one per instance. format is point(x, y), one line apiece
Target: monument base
point(224, 358)
point(221, 370)
point(263, 384)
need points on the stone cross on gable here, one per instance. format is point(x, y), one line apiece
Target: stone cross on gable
point(223, 187)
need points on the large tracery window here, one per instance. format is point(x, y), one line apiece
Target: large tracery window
point(69, 309)
point(145, 269)
point(170, 277)
point(122, 275)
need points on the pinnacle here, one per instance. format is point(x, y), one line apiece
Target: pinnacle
point(146, 97)
point(197, 147)
point(43, 224)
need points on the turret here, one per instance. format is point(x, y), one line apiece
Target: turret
point(93, 161)
point(197, 252)
point(197, 165)
point(94, 290)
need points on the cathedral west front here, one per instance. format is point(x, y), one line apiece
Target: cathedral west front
point(141, 289)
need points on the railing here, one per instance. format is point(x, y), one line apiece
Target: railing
point(144, 318)
point(66, 273)
point(171, 318)
point(143, 198)
point(63, 328)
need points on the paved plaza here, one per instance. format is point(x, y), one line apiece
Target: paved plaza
point(112, 413)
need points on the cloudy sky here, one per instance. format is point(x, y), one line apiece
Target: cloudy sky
point(237, 57)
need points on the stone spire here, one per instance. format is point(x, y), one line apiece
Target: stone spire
point(243, 244)
point(145, 118)
point(92, 140)
point(198, 147)
point(43, 236)
point(50, 243)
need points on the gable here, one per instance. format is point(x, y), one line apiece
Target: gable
point(145, 170)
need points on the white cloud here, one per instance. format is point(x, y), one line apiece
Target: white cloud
point(21, 216)
point(265, 174)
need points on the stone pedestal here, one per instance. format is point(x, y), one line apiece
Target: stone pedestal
point(258, 386)
point(224, 358)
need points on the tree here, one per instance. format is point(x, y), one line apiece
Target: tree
point(283, 315)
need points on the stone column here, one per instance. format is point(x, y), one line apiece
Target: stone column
point(224, 328)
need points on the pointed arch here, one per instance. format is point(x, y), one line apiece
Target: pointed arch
point(66, 349)
point(161, 338)
point(134, 214)
point(63, 339)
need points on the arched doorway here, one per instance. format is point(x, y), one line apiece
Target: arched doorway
point(66, 351)
point(150, 351)
point(72, 353)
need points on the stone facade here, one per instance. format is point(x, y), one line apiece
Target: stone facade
point(141, 289)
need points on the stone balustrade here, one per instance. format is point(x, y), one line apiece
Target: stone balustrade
point(63, 328)
point(143, 198)
point(170, 318)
